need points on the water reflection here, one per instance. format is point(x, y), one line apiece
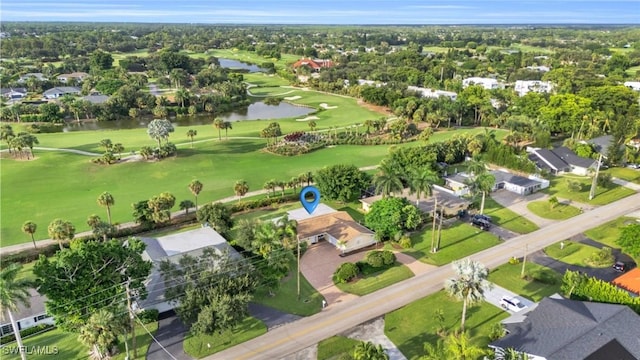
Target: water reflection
point(235, 64)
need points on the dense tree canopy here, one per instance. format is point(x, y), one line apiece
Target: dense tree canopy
point(341, 182)
point(388, 216)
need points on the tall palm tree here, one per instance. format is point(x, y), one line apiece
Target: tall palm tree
point(241, 188)
point(266, 239)
point(387, 180)
point(468, 285)
point(434, 352)
point(483, 184)
point(100, 332)
point(195, 187)
point(106, 199)
point(29, 227)
point(190, 134)
point(218, 124)
point(369, 351)
point(227, 126)
point(306, 177)
point(271, 185)
point(61, 230)
point(458, 347)
point(421, 182)
point(476, 167)
point(288, 232)
point(13, 292)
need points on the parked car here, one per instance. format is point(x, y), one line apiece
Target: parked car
point(484, 217)
point(481, 223)
point(512, 304)
point(620, 266)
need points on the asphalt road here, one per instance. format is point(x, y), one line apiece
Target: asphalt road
point(298, 335)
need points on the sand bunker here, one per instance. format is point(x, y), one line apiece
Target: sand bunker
point(309, 118)
point(325, 106)
point(292, 98)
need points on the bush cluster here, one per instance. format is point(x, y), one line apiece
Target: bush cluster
point(294, 148)
point(26, 332)
point(259, 203)
point(148, 316)
point(345, 272)
point(361, 140)
point(582, 287)
point(379, 259)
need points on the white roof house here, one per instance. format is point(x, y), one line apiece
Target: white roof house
point(633, 85)
point(60, 91)
point(434, 94)
point(79, 76)
point(38, 76)
point(540, 68)
point(486, 83)
point(522, 87)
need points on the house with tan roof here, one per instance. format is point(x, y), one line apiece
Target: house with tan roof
point(314, 64)
point(338, 228)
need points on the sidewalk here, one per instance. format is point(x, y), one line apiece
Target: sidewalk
point(627, 184)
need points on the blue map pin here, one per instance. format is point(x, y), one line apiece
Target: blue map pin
point(310, 206)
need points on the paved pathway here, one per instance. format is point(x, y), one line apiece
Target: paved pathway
point(494, 293)
point(288, 339)
point(171, 333)
point(627, 184)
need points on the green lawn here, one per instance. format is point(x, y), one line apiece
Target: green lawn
point(507, 219)
point(143, 341)
point(458, 241)
point(196, 346)
point(414, 324)
point(558, 212)
point(58, 344)
point(633, 71)
point(376, 281)
point(286, 297)
point(335, 346)
point(627, 174)
point(572, 253)
point(26, 272)
point(531, 287)
point(608, 233)
point(603, 196)
point(252, 57)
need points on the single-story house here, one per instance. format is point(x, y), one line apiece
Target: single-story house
point(338, 228)
point(13, 93)
point(433, 94)
point(629, 281)
point(27, 317)
point(540, 68)
point(448, 201)
point(60, 91)
point(562, 329)
point(486, 83)
point(522, 87)
point(172, 248)
point(504, 180)
point(314, 64)
point(561, 160)
point(600, 144)
point(37, 76)
point(96, 98)
point(74, 76)
point(633, 85)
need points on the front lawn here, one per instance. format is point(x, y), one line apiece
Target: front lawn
point(143, 341)
point(458, 241)
point(369, 283)
point(198, 346)
point(608, 233)
point(335, 346)
point(573, 253)
point(286, 297)
point(558, 187)
point(414, 324)
point(538, 283)
point(508, 219)
point(558, 212)
point(627, 174)
point(54, 344)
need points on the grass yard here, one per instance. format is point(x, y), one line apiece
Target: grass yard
point(608, 233)
point(539, 282)
point(458, 241)
point(633, 71)
point(196, 346)
point(286, 297)
point(572, 253)
point(558, 212)
point(335, 346)
point(627, 174)
point(414, 324)
point(558, 187)
point(66, 344)
point(143, 341)
point(376, 281)
point(26, 272)
point(507, 219)
point(252, 57)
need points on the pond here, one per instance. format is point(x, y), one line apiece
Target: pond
point(235, 64)
point(255, 111)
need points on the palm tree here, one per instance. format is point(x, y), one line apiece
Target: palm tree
point(181, 96)
point(468, 285)
point(186, 205)
point(190, 134)
point(282, 185)
point(106, 199)
point(61, 230)
point(421, 182)
point(195, 187)
point(218, 124)
point(458, 347)
point(306, 177)
point(12, 292)
point(266, 239)
point(227, 126)
point(241, 188)
point(434, 352)
point(476, 167)
point(312, 125)
point(270, 186)
point(511, 354)
point(369, 351)
point(29, 227)
point(287, 231)
point(100, 332)
point(387, 180)
point(293, 183)
point(482, 183)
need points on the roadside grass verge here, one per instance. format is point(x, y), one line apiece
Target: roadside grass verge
point(558, 212)
point(539, 281)
point(573, 253)
point(608, 233)
point(370, 283)
point(558, 187)
point(335, 346)
point(508, 219)
point(197, 346)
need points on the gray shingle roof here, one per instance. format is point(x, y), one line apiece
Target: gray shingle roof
point(562, 329)
point(502, 176)
point(551, 159)
point(602, 143)
point(571, 158)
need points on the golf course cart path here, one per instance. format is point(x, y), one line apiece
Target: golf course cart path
point(340, 317)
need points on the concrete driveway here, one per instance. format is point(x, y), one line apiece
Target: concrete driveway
point(518, 204)
point(319, 263)
point(494, 293)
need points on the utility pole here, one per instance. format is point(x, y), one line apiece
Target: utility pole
point(524, 259)
point(594, 183)
point(433, 229)
point(440, 216)
point(132, 320)
point(298, 238)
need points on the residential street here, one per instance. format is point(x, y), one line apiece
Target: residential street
point(304, 333)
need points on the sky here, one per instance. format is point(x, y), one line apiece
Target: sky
point(327, 11)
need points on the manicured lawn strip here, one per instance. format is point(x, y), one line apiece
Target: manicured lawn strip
point(608, 233)
point(508, 219)
point(196, 346)
point(559, 212)
point(335, 346)
point(458, 241)
point(26, 272)
point(286, 297)
point(414, 324)
point(143, 341)
point(66, 343)
point(508, 276)
point(627, 174)
point(558, 187)
point(373, 282)
point(262, 79)
point(572, 253)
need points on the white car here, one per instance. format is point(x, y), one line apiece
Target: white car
point(512, 304)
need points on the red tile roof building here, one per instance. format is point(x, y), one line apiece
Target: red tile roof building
point(314, 64)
